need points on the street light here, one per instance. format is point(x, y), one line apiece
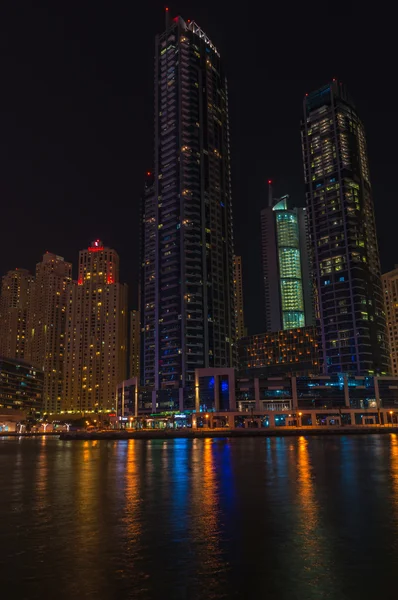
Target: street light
point(300, 415)
point(391, 413)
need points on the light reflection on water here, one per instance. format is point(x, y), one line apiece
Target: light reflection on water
point(274, 517)
point(394, 478)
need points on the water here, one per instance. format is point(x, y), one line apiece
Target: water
point(304, 518)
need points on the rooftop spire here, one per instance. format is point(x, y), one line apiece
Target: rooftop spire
point(270, 201)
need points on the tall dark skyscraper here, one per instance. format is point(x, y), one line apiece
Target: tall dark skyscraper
point(287, 282)
point(148, 244)
point(343, 234)
point(188, 315)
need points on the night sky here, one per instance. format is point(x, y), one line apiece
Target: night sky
point(76, 119)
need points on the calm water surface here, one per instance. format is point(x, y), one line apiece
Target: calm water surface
point(304, 518)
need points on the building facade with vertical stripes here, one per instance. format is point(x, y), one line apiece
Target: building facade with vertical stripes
point(342, 233)
point(188, 317)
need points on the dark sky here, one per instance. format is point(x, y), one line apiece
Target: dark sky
point(76, 118)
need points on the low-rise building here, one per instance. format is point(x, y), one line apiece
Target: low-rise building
point(21, 386)
point(289, 351)
point(275, 400)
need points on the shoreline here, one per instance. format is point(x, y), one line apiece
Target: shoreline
point(170, 434)
point(164, 434)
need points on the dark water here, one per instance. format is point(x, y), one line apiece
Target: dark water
point(188, 519)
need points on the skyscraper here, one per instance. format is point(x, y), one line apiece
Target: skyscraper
point(148, 240)
point(46, 325)
point(189, 322)
point(239, 313)
point(390, 285)
point(287, 281)
point(343, 234)
point(96, 332)
point(135, 335)
point(14, 303)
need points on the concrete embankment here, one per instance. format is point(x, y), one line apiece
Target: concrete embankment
point(168, 434)
point(29, 434)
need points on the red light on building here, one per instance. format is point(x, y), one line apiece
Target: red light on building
point(96, 247)
point(80, 281)
point(148, 173)
point(166, 9)
point(269, 181)
point(110, 279)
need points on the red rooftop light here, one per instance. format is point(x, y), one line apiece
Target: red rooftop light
point(148, 172)
point(269, 181)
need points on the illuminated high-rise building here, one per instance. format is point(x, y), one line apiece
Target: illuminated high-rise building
point(46, 325)
point(189, 319)
point(135, 346)
point(390, 288)
point(239, 313)
point(343, 234)
point(287, 281)
point(15, 295)
point(96, 332)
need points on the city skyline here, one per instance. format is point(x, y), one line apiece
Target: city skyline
point(187, 256)
point(92, 100)
point(181, 284)
point(72, 331)
point(198, 301)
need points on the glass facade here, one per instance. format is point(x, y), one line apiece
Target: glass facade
point(291, 351)
point(188, 311)
point(342, 231)
point(21, 386)
point(126, 399)
point(284, 243)
point(290, 269)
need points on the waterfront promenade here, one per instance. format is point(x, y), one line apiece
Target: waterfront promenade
point(156, 434)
